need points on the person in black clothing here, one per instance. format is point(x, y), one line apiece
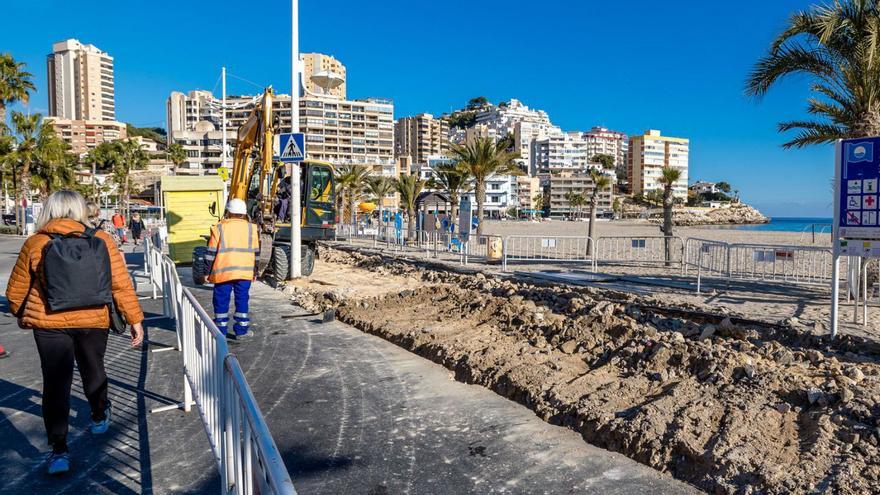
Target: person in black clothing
point(136, 225)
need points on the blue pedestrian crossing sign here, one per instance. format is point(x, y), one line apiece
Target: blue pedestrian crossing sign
point(292, 147)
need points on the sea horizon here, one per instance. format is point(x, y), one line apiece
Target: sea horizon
point(786, 224)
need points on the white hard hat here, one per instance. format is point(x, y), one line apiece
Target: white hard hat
point(236, 207)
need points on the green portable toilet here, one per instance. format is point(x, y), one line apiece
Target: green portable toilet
point(192, 206)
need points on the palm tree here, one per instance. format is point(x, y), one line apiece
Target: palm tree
point(380, 186)
point(454, 182)
point(600, 183)
point(575, 201)
point(668, 177)
point(15, 83)
point(54, 168)
point(131, 157)
point(29, 132)
point(538, 202)
point(838, 47)
point(480, 159)
point(176, 155)
point(351, 183)
point(409, 187)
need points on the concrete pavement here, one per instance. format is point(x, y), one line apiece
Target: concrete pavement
point(351, 413)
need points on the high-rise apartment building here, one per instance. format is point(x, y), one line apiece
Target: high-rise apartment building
point(602, 141)
point(648, 154)
point(80, 80)
point(557, 188)
point(566, 152)
point(421, 137)
point(323, 75)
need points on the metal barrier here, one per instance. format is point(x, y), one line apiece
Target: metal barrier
point(246, 455)
point(540, 249)
point(640, 250)
point(707, 257)
point(810, 265)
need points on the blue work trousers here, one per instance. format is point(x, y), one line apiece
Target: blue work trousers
point(222, 293)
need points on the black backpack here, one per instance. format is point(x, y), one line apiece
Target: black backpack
point(76, 271)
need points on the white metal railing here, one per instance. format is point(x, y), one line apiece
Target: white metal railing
point(547, 249)
point(246, 455)
point(640, 250)
point(708, 257)
point(780, 263)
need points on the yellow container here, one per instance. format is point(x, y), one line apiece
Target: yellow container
point(494, 249)
point(192, 206)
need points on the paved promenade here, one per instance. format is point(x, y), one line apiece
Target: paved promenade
point(350, 413)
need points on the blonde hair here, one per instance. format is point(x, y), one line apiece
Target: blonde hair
point(93, 211)
point(63, 204)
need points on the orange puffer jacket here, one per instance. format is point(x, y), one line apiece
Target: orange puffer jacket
point(37, 315)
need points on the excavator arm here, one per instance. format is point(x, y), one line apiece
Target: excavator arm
point(255, 134)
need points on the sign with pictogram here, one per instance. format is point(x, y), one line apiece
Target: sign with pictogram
point(858, 200)
point(292, 147)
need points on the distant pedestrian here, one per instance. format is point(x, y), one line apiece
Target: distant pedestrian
point(136, 225)
point(119, 224)
point(60, 287)
point(232, 252)
point(94, 213)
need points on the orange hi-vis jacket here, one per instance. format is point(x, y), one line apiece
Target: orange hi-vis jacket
point(233, 248)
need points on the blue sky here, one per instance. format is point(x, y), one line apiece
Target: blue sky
point(677, 66)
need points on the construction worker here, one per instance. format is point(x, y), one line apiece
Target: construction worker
point(232, 251)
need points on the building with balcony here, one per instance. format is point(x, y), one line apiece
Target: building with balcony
point(649, 153)
point(421, 137)
point(558, 187)
point(80, 82)
point(602, 141)
point(323, 75)
point(85, 135)
point(557, 153)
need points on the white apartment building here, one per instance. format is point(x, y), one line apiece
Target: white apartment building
point(337, 131)
point(503, 117)
point(602, 141)
point(567, 152)
point(649, 153)
point(80, 81)
point(524, 133)
point(501, 195)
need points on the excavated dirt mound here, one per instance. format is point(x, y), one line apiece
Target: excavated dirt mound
point(728, 408)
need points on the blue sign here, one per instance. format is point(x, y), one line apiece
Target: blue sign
point(292, 147)
point(858, 188)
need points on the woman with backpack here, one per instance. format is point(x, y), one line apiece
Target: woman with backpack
point(66, 299)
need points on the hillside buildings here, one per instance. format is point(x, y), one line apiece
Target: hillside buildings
point(82, 106)
point(602, 141)
point(648, 154)
point(421, 137)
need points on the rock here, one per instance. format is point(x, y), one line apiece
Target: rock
point(749, 370)
point(677, 337)
point(849, 437)
point(855, 374)
point(569, 346)
point(708, 331)
point(815, 357)
point(846, 395)
point(783, 407)
point(785, 357)
point(813, 395)
point(726, 324)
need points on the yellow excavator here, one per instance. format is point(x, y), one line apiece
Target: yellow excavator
point(260, 181)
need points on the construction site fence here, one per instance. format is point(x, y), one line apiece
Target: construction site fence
point(775, 263)
point(640, 250)
point(543, 249)
point(243, 448)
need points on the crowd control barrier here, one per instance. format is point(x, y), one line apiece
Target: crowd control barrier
point(243, 448)
point(640, 250)
point(545, 249)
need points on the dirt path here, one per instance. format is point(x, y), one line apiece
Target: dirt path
point(727, 407)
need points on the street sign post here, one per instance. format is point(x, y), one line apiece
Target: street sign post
point(292, 150)
point(856, 229)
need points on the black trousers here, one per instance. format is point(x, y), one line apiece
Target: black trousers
point(58, 348)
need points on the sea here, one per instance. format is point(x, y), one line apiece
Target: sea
point(788, 224)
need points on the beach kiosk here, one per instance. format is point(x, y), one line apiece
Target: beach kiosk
point(192, 206)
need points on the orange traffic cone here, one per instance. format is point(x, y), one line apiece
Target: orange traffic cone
point(3, 352)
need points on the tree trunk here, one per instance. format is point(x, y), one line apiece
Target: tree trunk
point(24, 199)
point(380, 223)
point(2, 113)
point(481, 199)
point(352, 211)
point(594, 202)
point(453, 212)
point(667, 223)
point(411, 219)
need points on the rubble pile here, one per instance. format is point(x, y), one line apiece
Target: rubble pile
point(727, 407)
